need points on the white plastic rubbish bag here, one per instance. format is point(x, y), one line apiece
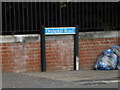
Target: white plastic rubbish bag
point(107, 60)
point(116, 49)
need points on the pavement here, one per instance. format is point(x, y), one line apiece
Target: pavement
point(83, 76)
point(62, 79)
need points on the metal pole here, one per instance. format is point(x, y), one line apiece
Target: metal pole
point(76, 49)
point(43, 49)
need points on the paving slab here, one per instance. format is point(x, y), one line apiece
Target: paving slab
point(77, 75)
point(63, 79)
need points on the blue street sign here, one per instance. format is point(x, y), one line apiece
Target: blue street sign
point(60, 30)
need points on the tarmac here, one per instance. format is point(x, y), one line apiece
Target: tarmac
point(62, 79)
point(83, 76)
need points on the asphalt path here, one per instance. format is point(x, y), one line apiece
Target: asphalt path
point(12, 80)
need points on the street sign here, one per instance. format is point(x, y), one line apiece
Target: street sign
point(60, 30)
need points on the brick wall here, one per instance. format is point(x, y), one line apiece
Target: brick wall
point(89, 49)
point(24, 56)
point(59, 55)
point(20, 57)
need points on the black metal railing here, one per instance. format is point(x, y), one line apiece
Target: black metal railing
point(29, 17)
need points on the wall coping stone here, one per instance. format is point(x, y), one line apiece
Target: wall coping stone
point(36, 37)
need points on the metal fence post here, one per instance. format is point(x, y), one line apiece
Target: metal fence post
point(76, 49)
point(43, 50)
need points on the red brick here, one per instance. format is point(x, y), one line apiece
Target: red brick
point(88, 52)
